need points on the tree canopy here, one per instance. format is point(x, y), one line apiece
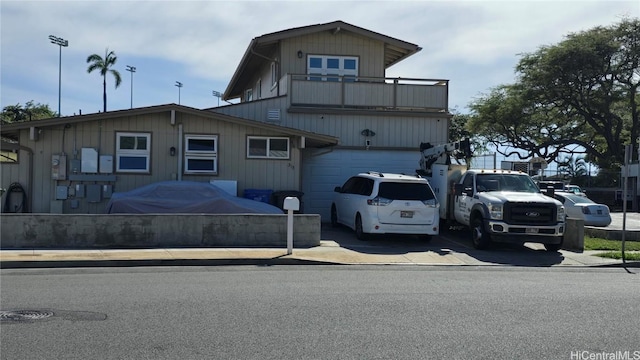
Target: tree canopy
point(30, 111)
point(579, 96)
point(104, 66)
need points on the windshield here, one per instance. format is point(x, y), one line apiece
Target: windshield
point(405, 191)
point(505, 182)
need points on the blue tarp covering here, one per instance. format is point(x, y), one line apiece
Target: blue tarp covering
point(180, 197)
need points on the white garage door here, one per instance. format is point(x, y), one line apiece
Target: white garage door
point(322, 173)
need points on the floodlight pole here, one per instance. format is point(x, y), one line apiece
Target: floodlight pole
point(131, 69)
point(218, 95)
point(60, 42)
point(179, 85)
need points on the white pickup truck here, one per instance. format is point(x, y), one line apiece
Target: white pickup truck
point(496, 205)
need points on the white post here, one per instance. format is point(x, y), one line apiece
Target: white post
point(289, 232)
point(290, 204)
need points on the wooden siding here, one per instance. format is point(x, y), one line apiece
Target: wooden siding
point(370, 52)
point(232, 161)
point(392, 131)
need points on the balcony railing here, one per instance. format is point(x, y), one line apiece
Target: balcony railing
point(369, 93)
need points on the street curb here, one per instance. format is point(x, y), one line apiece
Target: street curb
point(157, 262)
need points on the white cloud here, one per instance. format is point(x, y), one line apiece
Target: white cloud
point(472, 43)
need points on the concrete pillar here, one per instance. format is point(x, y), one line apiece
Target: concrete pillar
point(574, 235)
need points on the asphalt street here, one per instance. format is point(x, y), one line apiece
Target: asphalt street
point(318, 312)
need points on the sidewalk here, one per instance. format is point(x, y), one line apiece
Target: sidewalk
point(329, 252)
point(442, 251)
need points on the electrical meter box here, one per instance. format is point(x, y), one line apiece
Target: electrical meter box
point(106, 164)
point(59, 167)
point(89, 161)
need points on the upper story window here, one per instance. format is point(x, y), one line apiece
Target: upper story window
point(201, 154)
point(133, 152)
point(248, 95)
point(259, 89)
point(262, 147)
point(332, 67)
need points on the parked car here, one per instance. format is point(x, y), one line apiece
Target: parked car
point(383, 203)
point(575, 189)
point(580, 207)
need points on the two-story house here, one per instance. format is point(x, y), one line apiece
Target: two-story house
point(315, 107)
point(330, 79)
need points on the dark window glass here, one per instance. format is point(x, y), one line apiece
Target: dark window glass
point(202, 145)
point(200, 164)
point(133, 163)
point(315, 63)
point(405, 191)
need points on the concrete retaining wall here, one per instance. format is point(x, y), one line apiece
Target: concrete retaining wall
point(157, 230)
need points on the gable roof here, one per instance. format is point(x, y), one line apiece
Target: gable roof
point(395, 50)
point(312, 139)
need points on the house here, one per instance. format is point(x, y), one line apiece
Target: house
point(315, 107)
point(73, 164)
point(331, 79)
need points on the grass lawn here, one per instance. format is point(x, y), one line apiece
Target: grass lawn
point(614, 247)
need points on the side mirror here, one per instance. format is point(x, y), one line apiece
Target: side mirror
point(551, 191)
point(458, 189)
point(337, 189)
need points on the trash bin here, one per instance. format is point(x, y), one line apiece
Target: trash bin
point(277, 199)
point(262, 195)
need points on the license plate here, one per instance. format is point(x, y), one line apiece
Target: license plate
point(406, 214)
point(532, 231)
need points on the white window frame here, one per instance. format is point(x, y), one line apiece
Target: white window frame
point(259, 89)
point(140, 153)
point(248, 95)
point(325, 70)
point(190, 154)
point(268, 150)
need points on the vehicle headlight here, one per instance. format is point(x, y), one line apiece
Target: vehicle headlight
point(495, 211)
point(561, 213)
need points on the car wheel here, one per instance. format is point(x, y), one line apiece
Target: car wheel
point(360, 234)
point(480, 238)
point(334, 216)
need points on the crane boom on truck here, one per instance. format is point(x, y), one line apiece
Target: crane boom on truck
point(496, 205)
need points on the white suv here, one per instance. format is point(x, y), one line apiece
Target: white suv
point(381, 203)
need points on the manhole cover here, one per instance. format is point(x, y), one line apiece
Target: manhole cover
point(24, 315)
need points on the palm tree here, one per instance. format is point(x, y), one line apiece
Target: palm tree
point(104, 65)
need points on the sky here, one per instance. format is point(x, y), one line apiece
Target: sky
point(473, 44)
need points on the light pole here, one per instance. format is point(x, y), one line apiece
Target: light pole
point(60, 42)
point(131, 69)
point(179, 85)
point(218, 95)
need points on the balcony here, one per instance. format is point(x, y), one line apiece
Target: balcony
point(306, 92)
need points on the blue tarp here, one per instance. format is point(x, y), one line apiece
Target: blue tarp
point(184, 197)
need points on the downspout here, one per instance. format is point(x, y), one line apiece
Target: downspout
point(30, 183)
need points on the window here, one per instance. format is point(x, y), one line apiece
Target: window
point(133, 152)
point(267, 147)
point(259, 89)
point(201, 154)
point(248, 95)
point(8, 156)
point(332, 67)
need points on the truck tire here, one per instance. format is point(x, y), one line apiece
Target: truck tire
point(479, 237)
point(553, 247)
point(360, 234)
point(334, 216)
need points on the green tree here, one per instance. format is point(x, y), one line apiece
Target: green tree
point(578, 96)
point(104, 66)
point(30, 111)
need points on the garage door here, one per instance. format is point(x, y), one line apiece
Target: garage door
point(322, 172)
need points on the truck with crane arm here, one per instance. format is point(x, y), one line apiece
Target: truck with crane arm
point(496, 205)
